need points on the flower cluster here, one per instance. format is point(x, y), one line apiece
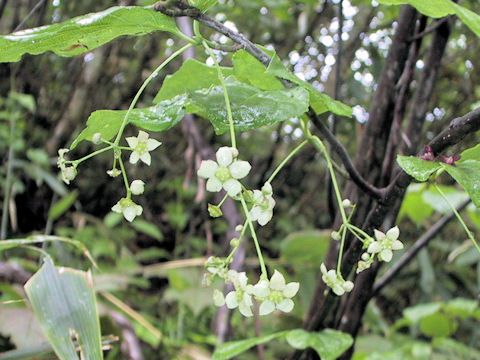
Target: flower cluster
point(225, 172)
point(335, 281)
point(68, 171)
point(273, 294)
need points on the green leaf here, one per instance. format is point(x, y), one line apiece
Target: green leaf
point(415, 313)
point(233, 348)
point(305, 247)
point(147, 228)
point(472, 153)
point(192, 75)
point(251, 107)
point(442, 8)
point(160, 117)
point(64, 303)
point(249, 70)
point(320, 102)
point(453, 349)
point(419, 169)
point(62, 205)
point(84, 33)
point(413, 206)
point(461, 307)
point(203, 5)
point(438, 325)
point(436, 201)
point(467, 174)
point(329, 344)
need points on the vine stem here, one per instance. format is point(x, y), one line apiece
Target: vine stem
point(125, 178)
point(144, 85)
point(454, 210)
point(254, 236)
point(8, 181)
point(225, 94)
point(286, 160)
point(95, 153)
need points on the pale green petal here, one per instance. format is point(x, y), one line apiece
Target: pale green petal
point(286, 305)
point(232, 276)
point(247, 299)
point(397, 245)
point(242, 280)
point(393, 233)
point(214, 185)
point(385, 255)
point(338, 290)
point(132, 141)
point(277, 281)
point(218, 298)
point(146, 158)
point(348, 286)
point(379, 235)
point(374, 247)
point(332, 275)
point(232, 187)
point(139, 210)
point(231, 300)
point(152, 144)
point(142, 136)
point(267, 189)
point(207, 169)
point(257, 196)
point(266, 307)
point(261, 289)
point(239, 169)
point(117, 208)
point(224, 156)
point(264, 217)
point(129, 213)
point(291, 289)
point(245, 310)
point(134, 157)
point(255, 213)
point(323, 269)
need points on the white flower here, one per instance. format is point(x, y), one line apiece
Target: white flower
point(262, 210)
point(128, 208)
point(335, 281)
point(240, 297)
point(225, 172)
point(114, 172)
point(141, 146)
point(69, 172)
point(275, 294)
point(385, 244)
point(137, 187)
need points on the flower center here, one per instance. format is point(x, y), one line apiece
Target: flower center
point(141, 148)
point(124, 203)
point(276, 296)
point(223, 174)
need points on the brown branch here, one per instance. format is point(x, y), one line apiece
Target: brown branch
point(410, 254)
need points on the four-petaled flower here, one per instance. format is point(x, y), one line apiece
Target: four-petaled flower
point(225, 172)
point(128, 208)
point(141, 145)
point(335, 281)
point(262, 210)
point(275, 294)
point(385, 244)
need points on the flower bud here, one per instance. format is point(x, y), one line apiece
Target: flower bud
point(214, 211)
point(346, 203)
point(234, 242)
point(335, 235)
point(97, 138)
point(365, 257)
point(137, 187)
point(238, 228)
point(113, 172)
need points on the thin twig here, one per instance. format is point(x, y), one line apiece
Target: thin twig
point(419, 244)
point(429, 29)
point(29, 15)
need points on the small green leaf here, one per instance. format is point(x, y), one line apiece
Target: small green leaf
point(84, 33)
point(472, 153)
point(419, 169)
point(329, 344)
point(192, 75)
point(467, 174)
point(203, 5)
point(438, 325)
point(233, 348)
point(251, 107)
point(160, 117)
point(249, 70)
point(64, 303)
point(461, 307)
point(320, 102)
point(61, 206)
point(147, 228)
